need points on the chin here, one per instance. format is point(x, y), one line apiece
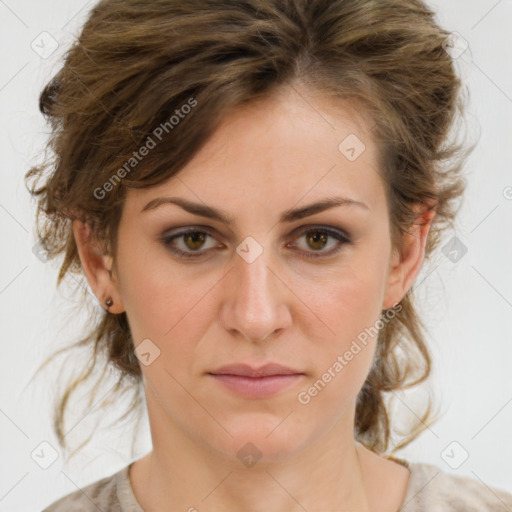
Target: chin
point(253, 440)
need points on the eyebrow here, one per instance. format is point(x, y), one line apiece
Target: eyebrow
point(220, 215)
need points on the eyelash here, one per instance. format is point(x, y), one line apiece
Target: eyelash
point(338, 235)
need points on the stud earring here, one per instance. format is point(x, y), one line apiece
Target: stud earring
point(109, 302)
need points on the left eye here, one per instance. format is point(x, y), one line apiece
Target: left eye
point(317, 239)
point(193, 240)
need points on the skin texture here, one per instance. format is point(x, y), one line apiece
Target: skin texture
point(219, 309)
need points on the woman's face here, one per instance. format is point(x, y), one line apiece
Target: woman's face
point(261, 289)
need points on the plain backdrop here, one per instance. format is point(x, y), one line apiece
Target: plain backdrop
point(466, 301)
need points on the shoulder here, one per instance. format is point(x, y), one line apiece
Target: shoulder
point(103, 494)
point(430, 488)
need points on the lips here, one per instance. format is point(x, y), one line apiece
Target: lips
point(256, 383)
point(245, 370)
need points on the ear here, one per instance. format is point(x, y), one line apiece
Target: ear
point(97, 266)
point(406, 263)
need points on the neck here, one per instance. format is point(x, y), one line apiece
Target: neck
point(187, 474)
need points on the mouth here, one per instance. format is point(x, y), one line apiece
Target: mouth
point(262, 382)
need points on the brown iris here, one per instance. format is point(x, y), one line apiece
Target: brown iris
point(317, 237)
point(196, 238)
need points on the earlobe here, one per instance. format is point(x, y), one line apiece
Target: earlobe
point(97, 267)
point(406, 263)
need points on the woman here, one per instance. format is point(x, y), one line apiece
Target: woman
point(250, 189)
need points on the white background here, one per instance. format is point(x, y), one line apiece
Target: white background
point(467, 305)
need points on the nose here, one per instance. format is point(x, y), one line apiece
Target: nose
point(256, 300)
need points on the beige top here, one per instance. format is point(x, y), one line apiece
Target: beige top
point(430, 489)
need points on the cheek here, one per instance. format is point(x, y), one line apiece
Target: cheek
point(349, 299)
point(162, 299)
point(343, 359)
point(350, 304)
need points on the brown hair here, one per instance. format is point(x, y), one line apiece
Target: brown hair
point(136, 63)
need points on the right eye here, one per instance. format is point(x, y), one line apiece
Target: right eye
point(192, 240)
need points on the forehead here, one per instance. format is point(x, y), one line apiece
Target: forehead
point(296, 147)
